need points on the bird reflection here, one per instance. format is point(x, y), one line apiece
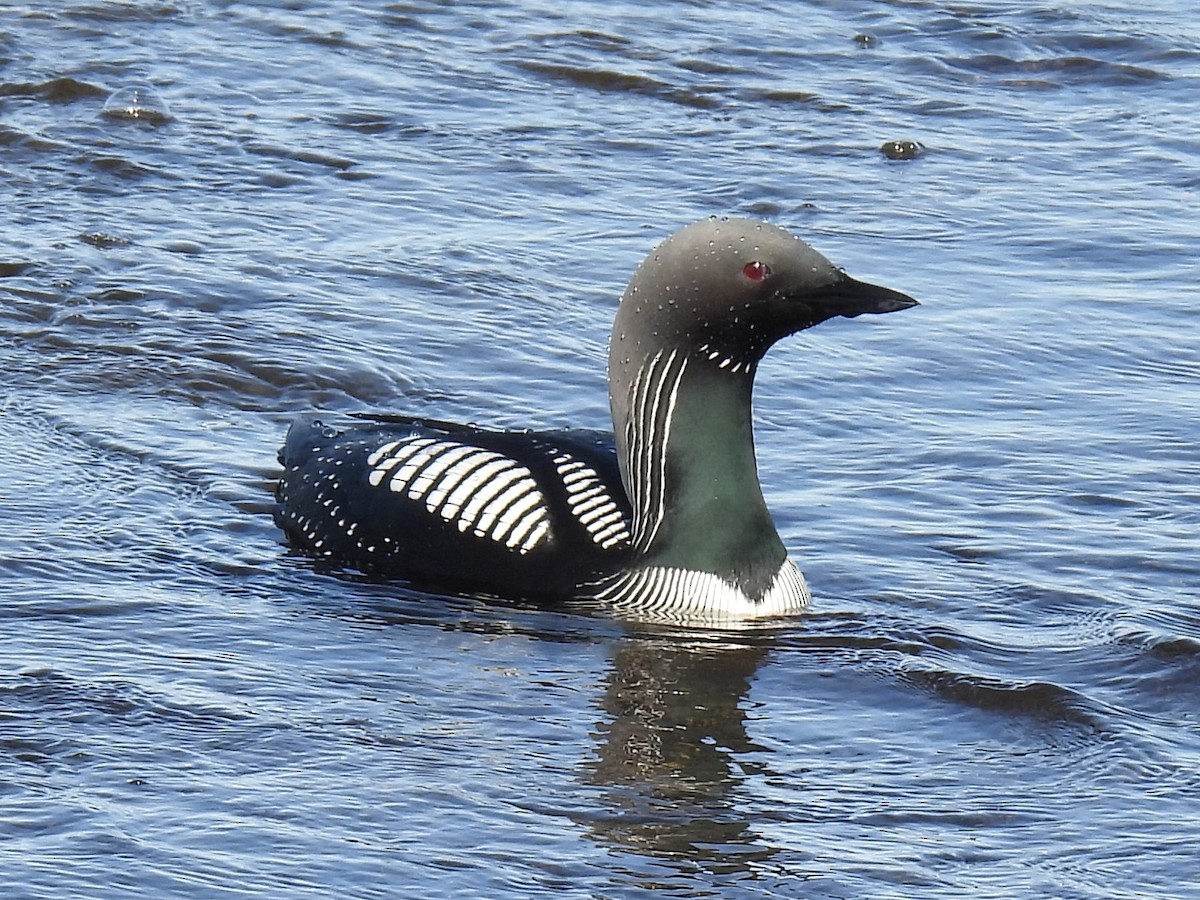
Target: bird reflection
point(674, 750)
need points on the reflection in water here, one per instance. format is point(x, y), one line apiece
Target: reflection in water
point(674, 752)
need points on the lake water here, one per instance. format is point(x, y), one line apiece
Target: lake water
point(431, 208)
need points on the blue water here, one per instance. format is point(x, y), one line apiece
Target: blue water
point(431, 208)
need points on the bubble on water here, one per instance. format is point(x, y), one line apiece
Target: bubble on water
point(138, 104)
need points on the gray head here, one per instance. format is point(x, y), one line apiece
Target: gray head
point(732, 287)
point(698, 315)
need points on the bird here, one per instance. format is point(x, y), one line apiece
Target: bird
point(663, 519)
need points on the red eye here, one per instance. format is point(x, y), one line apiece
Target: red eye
point(756, 271)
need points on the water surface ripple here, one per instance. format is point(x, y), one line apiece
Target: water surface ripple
point(219, 215)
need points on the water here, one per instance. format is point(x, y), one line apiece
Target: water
point(431, 208)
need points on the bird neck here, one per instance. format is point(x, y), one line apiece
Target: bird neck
point(685, 442)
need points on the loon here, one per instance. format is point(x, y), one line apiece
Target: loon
point(665, 519)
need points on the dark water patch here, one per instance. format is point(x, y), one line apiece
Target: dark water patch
point(36, 144)
point(311, 157)
point(1171, 648)
point(1031, 84)
point(40, 603)
point(608, 81)
point(280, 180)
point(367, 121)
point(708, 67)
point(969, 554)
point(12, 269)
point(144, 13)
point(122, 168)
point(974, 819)
point(338, 39)
point(1045, 701)
point(587, 39)
point(57, 90)
point(1127, 41)
point(48, 694)
point(1170, 634)
point(795, 97)
point(118, 295)
point(1065, 70)
point(212, 373)
point(1097, 501)
point(407, 17)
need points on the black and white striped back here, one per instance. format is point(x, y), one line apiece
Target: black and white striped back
point(526, 513)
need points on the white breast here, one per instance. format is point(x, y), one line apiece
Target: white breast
point(684, 596)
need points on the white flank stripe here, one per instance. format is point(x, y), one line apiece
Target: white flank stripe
point(476, 489)
point(612, 535)
point(589, 517)
point(472, 483)
point(522, 536)
point(426, 463)
point(540, 531)
point(589, 501)
point(408, 448)
point(385, 466)
point(517, 508)
point(482, 498)
point(460, 467)
point(519, 519)
point(433, 473)
point(588, 493)
point(382, 452)
point(589, 508)
point(412, 465)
